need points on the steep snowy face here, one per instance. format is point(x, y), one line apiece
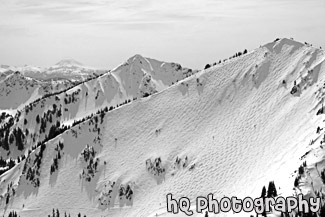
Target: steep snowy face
point(142, 76)
point(227, 130)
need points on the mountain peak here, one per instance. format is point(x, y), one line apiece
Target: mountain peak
point(278, 43)
point(69, 62)
point(135, 58)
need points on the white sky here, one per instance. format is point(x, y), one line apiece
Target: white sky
point(104, 33)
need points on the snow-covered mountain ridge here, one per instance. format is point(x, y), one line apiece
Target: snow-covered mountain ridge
point(17, 90)
point(129, 81)
point(227, 130)
point(66, 69)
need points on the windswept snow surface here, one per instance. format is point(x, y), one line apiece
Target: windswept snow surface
point(237, 123)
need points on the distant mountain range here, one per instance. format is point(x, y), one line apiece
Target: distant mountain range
point(65, 69)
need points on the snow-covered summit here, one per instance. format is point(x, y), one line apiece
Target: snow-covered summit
point(139, 73)
point(68, 63)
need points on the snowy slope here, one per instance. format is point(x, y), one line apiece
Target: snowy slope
point(17, 90)
point(233, 127)
point(33, 82)
point(124, 84)
point(140, 76)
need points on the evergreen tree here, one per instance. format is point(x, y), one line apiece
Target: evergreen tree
point(7, 199)
point(301, 170)
point(263, 194)
point(323, 176)
point(59, 113)
point(207, 66)
point(37, 119)
point(54, 107)
point(296, 183)
point(271, 191)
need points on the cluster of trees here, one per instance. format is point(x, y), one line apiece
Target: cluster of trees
point(177, 66)
point(188, 73)
point(90, 170)
point(89, 157)
point(8, 193)
point(18, 136)
point(271, 192)
point(56, 213)
point(106, 194)
point(88, 152)
point(6, 138)
point(3, 116)
point(4, 133)
point(32, 171)
point(47, 117)
point(301, 171)
point(155, 167)
point(179, 160)
point(3, 163)
point(6, 165)
point(55, 163)
point(71, 98)
point(13, 214)
point(106, 109)
point(126, 192)
point(238, 54)
point(123, 103)
point(56, 130)
point(100, 112)
point(30, 106)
